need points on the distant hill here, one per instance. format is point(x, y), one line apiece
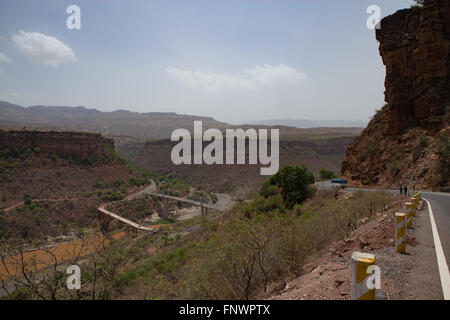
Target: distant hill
point(125, 126)
point(303, 123)
point(143, 139)
point(119, 124)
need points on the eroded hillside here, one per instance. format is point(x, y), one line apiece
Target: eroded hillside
point(323, 150)
point(51, 183)
point(406, 143)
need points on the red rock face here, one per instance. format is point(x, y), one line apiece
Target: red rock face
point(398, 147)
point(64, 144)
point(415, 47)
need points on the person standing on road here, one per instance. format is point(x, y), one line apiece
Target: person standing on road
point(406, 191)
point(401, 190)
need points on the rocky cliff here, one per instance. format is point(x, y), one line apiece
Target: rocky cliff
point(400, 145)
point(64, 144)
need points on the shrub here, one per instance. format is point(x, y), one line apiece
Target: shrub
point(97, 185)
point(18, 294)
point(213, 197)
point(34, 205)
point(327, 174)
point(268, 190)
point(137, 181)
point(110, 196)
point(118, 182)
point(294, 183)
point(27, 199)
point(54, 157)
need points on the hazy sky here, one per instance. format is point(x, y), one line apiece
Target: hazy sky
point(235, 60)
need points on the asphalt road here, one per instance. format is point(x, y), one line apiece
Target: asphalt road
point(440, 204)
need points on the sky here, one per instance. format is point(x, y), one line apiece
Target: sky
point(234, 60)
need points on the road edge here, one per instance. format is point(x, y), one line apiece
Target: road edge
point(441, 261)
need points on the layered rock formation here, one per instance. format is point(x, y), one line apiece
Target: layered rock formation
point(399, 144)
point(65, 144)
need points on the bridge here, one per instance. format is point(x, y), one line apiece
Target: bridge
point(148, 191)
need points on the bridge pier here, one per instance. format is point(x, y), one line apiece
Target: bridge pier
point(203, 210)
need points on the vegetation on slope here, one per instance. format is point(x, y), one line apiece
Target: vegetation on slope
point(260, 243)
point(253, 249)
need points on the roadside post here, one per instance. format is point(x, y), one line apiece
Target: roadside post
point(360, 264)
point(410, 212)
point(418, 196)
point(400, 243)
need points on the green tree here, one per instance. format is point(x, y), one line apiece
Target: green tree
point(294, 183)
point(27, 199)
point(327, 174)
point(268, 189)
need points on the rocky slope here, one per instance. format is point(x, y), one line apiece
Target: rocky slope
point(65, 144)
point(400, 144)
point(327, 274)
point(51, 183)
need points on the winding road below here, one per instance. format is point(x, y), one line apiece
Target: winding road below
point(148, 191)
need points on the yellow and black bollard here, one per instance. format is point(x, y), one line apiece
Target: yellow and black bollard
point(360, 264)
point(400, 242)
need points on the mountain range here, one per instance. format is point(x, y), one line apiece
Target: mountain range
point(305, 124)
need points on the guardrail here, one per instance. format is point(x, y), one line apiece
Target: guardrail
point(404, 220)
point(363, 268)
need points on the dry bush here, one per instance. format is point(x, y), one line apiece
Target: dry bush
point(43, 274)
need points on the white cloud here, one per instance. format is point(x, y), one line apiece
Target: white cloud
point(255, 77)
point(209, 80)
point(40, 48)
point(269, 74)
point(3, 58)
